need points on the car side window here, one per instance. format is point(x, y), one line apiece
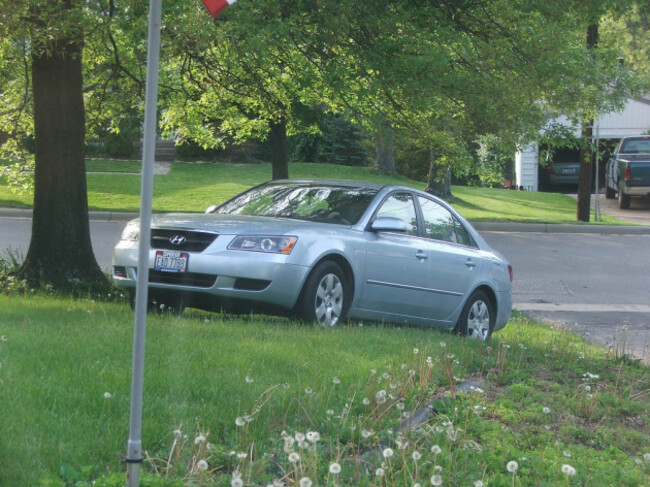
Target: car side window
point(438, 221)
point(400, 205)
point(462, 235)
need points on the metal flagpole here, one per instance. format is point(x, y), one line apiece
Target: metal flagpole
point(134, 450)
point(597, 203)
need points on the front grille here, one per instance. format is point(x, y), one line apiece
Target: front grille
point(193, 241)
point(193, 279)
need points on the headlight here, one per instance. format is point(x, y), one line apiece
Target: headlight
point(275, 245)
point(131, 232)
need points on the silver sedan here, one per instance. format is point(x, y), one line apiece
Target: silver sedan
point(326, 251)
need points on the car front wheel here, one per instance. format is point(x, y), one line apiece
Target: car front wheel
point(476, 320)
point(324, 297)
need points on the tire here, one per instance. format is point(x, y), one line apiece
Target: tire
point(610, 194)
point(476, 321)
point(623, 199)
point(325, 296)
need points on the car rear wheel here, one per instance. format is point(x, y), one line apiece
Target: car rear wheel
point(477, 318)
point(325, 295)
point(623, 199)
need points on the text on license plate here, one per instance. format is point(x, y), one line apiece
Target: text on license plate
point(171, 261)
point(568, 170)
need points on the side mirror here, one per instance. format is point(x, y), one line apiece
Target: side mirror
point(388, 224)
point(211, 209)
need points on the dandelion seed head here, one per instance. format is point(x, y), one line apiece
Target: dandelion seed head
point(200, 439)
point(568, 470)
point(202, 465)
point(335, 468)
point(478, 483)
point(249, 380)
point(646, 457)
point(566, 453)
point(107, 395)
point(388, 452)
point(435, 449)
point(546, 410)
point(294, 457)
point(236, 482)
point(366, 401)
point(415, 351)
point(512, 466)
point(313, 436)
point(336, 380)
point(436, 480)
point(240, 421)
point(416, 456)
point(305, 482)
point(242, 456)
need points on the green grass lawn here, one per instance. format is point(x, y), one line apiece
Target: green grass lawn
point(238, 393)
point(194, 187)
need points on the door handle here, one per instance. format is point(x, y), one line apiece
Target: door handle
point(470, 263)
point(421, 255)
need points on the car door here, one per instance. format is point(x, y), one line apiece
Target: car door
point(453, 260)
point(396, 276)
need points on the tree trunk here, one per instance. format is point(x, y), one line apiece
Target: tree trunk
point(60, 251)
point(439, 178)
point(586, 153)
point(385, 149)
point(279, 152)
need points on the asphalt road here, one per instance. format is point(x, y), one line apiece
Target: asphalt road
point(595, 284)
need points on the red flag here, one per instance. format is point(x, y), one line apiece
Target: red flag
point(216, 6)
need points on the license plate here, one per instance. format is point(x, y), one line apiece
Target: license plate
point(171, 261)
point(568, 170)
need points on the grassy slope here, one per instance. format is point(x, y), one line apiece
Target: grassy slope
point(192, 187)
point(60, 356)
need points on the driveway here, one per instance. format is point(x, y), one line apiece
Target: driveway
point(638, 213)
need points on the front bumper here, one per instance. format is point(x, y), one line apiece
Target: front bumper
point(226, 274)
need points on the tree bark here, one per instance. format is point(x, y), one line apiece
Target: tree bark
point(385, 149)
point(586, 153)
point(60, 251)
point(439, 178)
point(279, 152)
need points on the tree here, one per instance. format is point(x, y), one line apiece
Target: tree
point(60, 251)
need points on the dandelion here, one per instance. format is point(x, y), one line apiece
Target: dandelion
point(305, 482)
point(568, 470)
point(299, 437)
point(3, 338)
point(478, 483)
point(178, 433)
point(379, 472)
point(107, 395)
point(335, 468)
point(443, 344)
point(646, 457)
point(366, 401)
point(308, 390)
point(436, 480)
point(202, 465)
point(249, 380)
point(388, 452)
point(415, 351)
point(436, 450)
point(294, 457)
point(336, 380)
point(242, 456)
point(566, 453)
point(200, 439)
point(365, 434)
point(329, 412)
point(416, 456)
point(236, 482)
point(512, 466)
point(240, 421)
point(546, 410)
point(313, 436)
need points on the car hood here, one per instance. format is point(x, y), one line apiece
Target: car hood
point(236, 224)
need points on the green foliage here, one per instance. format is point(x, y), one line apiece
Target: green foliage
point(338, 142)
point(119, 145)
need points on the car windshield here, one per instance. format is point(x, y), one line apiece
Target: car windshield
point(302, 201)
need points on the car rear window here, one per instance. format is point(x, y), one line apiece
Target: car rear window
point(636, 146)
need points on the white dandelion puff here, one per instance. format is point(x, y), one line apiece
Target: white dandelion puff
point(388, 452)
point(568, 470)
point(436, 450)
point(305, 482)
point(335, 468)
point(202, 465)
point(240, 421)
point(294, 457)
point(107, 395)
point(512, 466)
point(436, 480)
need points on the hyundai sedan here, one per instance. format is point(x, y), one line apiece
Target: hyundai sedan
point(326, 251)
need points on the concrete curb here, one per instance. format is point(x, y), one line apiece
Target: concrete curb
point(115, 216)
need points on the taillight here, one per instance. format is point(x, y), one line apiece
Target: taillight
point(628, 173)
point(549, 170)
point(510, 271)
